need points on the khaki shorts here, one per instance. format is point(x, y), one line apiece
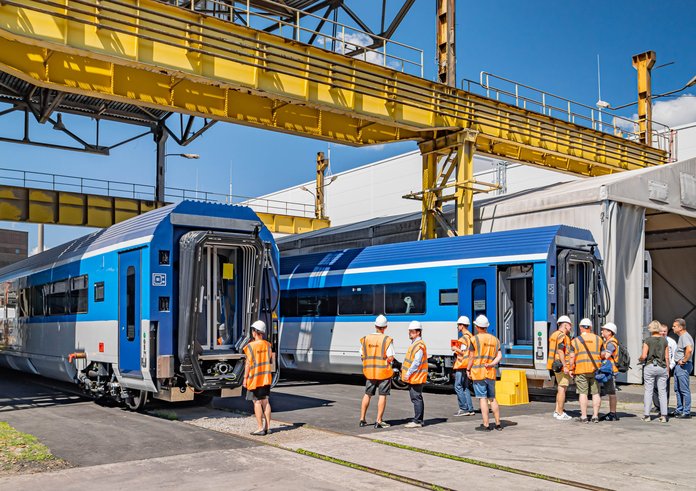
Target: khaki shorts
point(562, 379)
point(585, 383)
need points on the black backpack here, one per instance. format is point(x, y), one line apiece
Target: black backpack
point(624, 361)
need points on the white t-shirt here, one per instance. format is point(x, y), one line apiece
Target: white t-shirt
point(672, 346)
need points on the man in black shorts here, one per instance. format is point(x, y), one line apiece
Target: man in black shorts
point(377, 353)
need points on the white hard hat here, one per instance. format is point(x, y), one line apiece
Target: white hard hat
point(482, 321)
point(586, 322)
point(610, 326)
point(463, 320)
point(562, 319)
point(381, 321)
point(259, 326)
point(415, 325)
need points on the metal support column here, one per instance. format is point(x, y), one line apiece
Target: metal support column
point(320, 203)
point(446, 60)
point(644, 62)
point(160, 135)
point(430, 197)
point(464, 191)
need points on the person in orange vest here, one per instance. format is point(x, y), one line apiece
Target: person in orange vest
point(610, 351)
point(461, 361)
point(559, 347)
point(414, 371)
point(585, 359)
point(484, 355)
point(258, 376)
point(377, 353)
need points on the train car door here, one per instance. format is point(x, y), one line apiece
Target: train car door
point(579, 292)
point(477, 294)
point(129, 293)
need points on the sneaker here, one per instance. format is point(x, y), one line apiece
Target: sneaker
point(584, 420)
point(258, 433)
point(381, 424)
point(686, 415)
point(498, 428)
point(566, 417)
point(484, 428)
point(363, 423)
point(663, 419)
point(646, 419)
point(413, 424)
point(461, 412)
point(470, 413)
point(610, 417)
point(556, 415)
point(595, 419)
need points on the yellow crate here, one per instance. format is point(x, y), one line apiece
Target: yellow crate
point(511, 389)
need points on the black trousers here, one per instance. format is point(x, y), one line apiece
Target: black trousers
point(656, 398)
point(416, 393)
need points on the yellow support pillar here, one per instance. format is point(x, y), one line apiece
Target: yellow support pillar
point(430, 196)
point(464, 192)
point(644, 62)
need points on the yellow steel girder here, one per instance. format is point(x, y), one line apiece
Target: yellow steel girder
point(18, 204)
point(155, 55)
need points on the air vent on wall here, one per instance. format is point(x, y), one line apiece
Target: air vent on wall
point(658, 191)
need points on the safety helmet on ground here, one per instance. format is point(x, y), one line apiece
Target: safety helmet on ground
point(464, 320)
point(415, 325)
point(610, 326)
point(381, 321)
point(482, 321)
point(586, 322)
point(562, 319)
point(259, 326)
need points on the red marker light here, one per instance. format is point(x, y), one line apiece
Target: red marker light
point(101, 347)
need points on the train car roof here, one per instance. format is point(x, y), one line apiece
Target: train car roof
point(133, 231)
point(513, 244)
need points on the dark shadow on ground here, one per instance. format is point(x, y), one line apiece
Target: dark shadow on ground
point(20, 391)
point(280, 402)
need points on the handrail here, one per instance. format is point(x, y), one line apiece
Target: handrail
point(524, 96)
point(121, 189)
point(247, 13)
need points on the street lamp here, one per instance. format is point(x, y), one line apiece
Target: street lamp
point(194, 156)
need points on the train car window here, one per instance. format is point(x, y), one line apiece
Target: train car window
point(404, 298)
point(164, 257)
point(288, 304)
point(57, 300)
point(478, 298)
point(99, 291)
point(356, 300)
point(24, 302)
point(449, 297)
point(316, 302)
point(130, 303)
point(78, 294)
point(38, 300)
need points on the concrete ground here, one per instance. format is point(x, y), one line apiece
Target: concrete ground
point(209, 447)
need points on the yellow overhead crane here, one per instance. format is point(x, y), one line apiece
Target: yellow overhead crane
point(159, 56)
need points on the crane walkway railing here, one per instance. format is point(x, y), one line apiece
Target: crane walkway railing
point(120, 189)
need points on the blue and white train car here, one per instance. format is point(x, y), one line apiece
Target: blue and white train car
point(159, 305)
point(522, 280)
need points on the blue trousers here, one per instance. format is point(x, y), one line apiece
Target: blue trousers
point(416, 393)
point(462, 388)
point(681, 387)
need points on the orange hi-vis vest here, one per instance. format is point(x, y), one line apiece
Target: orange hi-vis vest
point(420, 376)
point(615, 355)
point(462, 361)
point(258, 355)
point(374, 359)
point(484, 349)
point(557, 339)
point(583, 359)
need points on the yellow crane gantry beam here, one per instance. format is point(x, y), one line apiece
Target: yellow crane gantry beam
point(20, 204)
point(156, 55)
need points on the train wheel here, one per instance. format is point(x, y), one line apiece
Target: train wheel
point(137, 400)
point(397, 383)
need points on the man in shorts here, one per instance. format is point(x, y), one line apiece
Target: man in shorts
point(484, 356)
point(610, 351)
point(559, 346)
point(585, 359)
point(377, 353)
point(258, 376)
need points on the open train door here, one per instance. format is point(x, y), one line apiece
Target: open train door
point(129, 331)
point(477, 294)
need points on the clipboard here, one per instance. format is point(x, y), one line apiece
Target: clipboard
point(455, 343)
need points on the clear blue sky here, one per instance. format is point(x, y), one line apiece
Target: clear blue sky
point(547, 44)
